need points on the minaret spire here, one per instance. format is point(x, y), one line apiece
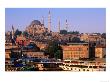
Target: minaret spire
point(59, 25)
point(49, 21)
point(12, 32)
point(66, 25)
point(42, 20)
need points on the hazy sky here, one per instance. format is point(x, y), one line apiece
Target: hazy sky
point(85, 20)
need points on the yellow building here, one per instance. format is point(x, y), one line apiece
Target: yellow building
point(100, 51)
point(90, 37)
point(8, 47)
point(75, 51)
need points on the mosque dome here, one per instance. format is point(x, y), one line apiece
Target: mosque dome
point(35, 22)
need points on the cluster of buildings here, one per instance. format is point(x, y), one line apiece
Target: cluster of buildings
point(74, 46)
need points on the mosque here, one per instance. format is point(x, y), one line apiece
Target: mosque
point(37, 27)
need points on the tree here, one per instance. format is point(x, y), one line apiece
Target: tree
point(30, 68)
point(17, 32)
point(103, 35)
point(73, 32)
point(75, 39)
point(63, 31)
point(54, 50)
point(58, 54)
point(76, 32)
point(70, 32)
point(25, 34)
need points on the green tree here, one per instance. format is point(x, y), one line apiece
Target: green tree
point(70, 32)
point(73, 32)
point(29, 68)
point(103, 35)
point(63, 31)
point(54, 50)
point(75, 39)
point(17, 32)
point(58, 54)
point(25, 34)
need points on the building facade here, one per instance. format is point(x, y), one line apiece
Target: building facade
point(100, 51)
point(75, 51)
point(32, 54)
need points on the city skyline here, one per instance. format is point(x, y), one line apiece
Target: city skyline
point(84, 20)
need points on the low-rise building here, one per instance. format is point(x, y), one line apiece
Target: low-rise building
point(32, 54)
point(75, 50)
point(100, 51)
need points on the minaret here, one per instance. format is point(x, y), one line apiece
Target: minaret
point(49, 22)
point(12, 32)
point(42, 20)
point(59, 25)
point(66, 25)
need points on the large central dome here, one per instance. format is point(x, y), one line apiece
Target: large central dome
point(35, 22)
point(36, 27)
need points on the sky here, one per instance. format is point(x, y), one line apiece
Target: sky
point(84, 20)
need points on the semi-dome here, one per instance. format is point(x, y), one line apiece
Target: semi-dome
point(35, 22)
